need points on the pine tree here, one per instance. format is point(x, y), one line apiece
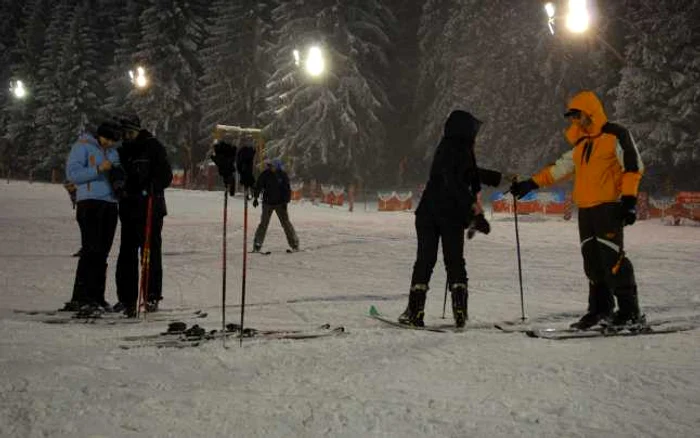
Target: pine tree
point(657, 97)
point(21, 120)
point(174, 32)
point(128, 37)
point(331, 127)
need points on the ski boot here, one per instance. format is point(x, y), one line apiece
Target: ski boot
point(413, 315)
point(600, 307)
point(628, 317)
point(152, 305)
point(460, 298)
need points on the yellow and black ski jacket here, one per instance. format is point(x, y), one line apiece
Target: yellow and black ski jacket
point(604, 161)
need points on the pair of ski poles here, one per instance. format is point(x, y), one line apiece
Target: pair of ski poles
point(520, 269)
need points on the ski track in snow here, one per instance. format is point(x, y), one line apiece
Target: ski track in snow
point(74, 380)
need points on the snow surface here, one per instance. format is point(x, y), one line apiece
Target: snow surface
point(75, 381)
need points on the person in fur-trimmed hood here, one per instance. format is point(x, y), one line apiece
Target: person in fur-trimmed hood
point(606, 168)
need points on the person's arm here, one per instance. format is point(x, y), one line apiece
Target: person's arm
point(629, 158)
point(78, 169)
point(286, 187)
point(161, 170)
point(562, 169)
point(490, 177)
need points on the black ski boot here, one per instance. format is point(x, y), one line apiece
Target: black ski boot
point(413, 315)
point(460, 298)
point(628, 317)
point(600, 307)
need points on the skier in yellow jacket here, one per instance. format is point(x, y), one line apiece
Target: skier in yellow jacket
point(606, 168)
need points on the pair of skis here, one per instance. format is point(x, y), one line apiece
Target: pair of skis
point(196, 336)
point(653, 327)
point(109, 318)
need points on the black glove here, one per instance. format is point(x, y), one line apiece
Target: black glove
point(244, 163)
point(255, 202)
point(522, 188)
point(479, 224)
point(225, 159)
point(628, 209)
point(117, 178)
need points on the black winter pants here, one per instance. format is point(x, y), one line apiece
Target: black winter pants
point(430, 231)
point(602, 246)
point(98, 222)
point(133, 220)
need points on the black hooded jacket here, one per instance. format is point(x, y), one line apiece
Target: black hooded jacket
point(454, 176)
point(147, 168)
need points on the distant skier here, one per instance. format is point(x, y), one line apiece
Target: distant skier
point(92, 158)
point(447, 207)
point(148, 172)
point(273, 183)
point(606, 168)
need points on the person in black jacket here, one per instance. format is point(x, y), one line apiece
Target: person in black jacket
point(446, 208)
point(148, 172)
point(273, 182)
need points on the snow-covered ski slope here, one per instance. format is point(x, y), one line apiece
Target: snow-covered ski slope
point(376, 380)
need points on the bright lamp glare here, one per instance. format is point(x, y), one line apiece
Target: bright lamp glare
point(17, 88)
point(578, 19)
point(139, 78)
point(549, 8)
point(315, 65)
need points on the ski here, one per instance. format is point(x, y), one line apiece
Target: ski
point(118, 318)
point(442, 328)
point(691, 319)
point(179, 329)
point(260, 252)
point(553, 334)
point(183, 340)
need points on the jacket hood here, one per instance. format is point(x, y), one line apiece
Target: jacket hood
point(461, 124)
point(589, 104)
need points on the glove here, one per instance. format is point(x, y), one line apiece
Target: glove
point(628, 209)
point(521, 188)
point(255, 203)
point(244, 163)
point(225, 159)
point(479, 224)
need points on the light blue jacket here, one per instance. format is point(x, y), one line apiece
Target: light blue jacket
point(85, 157)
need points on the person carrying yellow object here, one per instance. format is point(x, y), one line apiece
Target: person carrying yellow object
point(606, 168)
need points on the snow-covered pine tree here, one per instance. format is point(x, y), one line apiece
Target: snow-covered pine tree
point(12, 13)
point(658, 97)
point(82, 91)
point(332, 126)
point(174, 32)
point(20, 114)
point(128, 36)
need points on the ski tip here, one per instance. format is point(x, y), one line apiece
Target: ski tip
point(373, 311)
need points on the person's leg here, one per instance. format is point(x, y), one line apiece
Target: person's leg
point(84, 216)
point(600, 299)
point(155, 275)
point(127, 276)
point(287, 226)
point(619, 272)
point(426, 257)
point(452, 236)
point(260, 233)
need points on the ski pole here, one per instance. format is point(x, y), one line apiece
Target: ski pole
point(517, 245)
point(223, 269)
point(145, 256)
point(444, 303)
point(245, 259)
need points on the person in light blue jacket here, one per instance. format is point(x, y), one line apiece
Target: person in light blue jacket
point(93, 166)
